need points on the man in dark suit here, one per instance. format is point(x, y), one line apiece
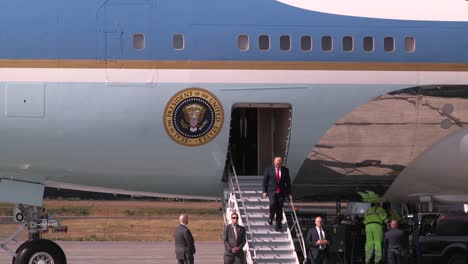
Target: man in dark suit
point(184, 243)
point(277, 185)
point(318, 243)
point(395, 243)
point(234, 241)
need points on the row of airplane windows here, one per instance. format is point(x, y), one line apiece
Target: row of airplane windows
point(348, 43)
point(264, 43)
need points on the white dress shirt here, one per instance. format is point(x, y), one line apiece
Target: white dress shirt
point(279, 171)
point(321, 236)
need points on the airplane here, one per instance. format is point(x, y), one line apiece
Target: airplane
point(152, 97)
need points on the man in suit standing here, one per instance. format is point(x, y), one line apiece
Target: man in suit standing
point(395, 241)
point(277, 185)
point(234, 241)
point(318, 243)
point(184, 243)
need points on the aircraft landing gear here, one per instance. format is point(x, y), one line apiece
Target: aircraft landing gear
point(35, 250)
point(39, 251)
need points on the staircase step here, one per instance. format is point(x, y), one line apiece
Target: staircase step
point(252, 188)
point(253, 200)
point(266, 249)
point(257, 219)
point(257, 181)
point(262, 227)
point(259, 223)
point(274, 256)
point(273, 259)
point(261, 261)
point(251, 197)
point(256, 209)
point(257, 215)
point(273, 233)
point(270, 242)
point(250, 178)
point(268, 237)
point(255, 193)
point(263, 230)
point(251, 203)
point(249, 186)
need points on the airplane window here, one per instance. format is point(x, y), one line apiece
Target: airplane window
point(306, 43)
point(348, 43)
point(264, 42)
point(368, 44)
point(285, 43)
point(389, 44)
point(178, 41)
point(243, 42)
point(327, 43)
point(410, 44)
point(139, 41)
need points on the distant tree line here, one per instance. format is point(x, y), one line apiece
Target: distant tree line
point(58, 194)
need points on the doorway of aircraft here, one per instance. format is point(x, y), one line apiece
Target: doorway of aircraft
point(259, 132)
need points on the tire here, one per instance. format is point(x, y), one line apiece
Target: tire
point(33, 251)
point(457, 258)
point(19, 249)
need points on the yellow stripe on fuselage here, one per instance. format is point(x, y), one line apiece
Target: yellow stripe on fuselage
point(235, 65)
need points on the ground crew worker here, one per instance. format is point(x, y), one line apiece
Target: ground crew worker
point(374, 219)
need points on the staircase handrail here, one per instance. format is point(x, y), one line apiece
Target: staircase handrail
point(236, 185)
point(297, 228)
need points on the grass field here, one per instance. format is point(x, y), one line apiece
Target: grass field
point(128, 220)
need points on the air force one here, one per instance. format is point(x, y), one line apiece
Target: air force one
point(152, 97)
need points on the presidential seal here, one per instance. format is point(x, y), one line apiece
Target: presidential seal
point(193, 117)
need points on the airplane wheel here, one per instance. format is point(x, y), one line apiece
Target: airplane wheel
point(457, 259)
point(39, 251)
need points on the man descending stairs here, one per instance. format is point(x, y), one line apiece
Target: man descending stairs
point(277, 187)
point(266, 245)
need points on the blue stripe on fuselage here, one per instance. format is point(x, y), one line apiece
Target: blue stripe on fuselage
point(94, 29)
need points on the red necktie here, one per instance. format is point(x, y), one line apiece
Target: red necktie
point(277, 180)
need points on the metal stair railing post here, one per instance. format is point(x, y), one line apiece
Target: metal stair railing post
point(297, 228)
point(236, 185)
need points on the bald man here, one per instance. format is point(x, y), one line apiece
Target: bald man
point(184, 243)
point(318, 242)
point(277, 186)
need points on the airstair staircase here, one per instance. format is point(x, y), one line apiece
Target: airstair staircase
point(243, 195)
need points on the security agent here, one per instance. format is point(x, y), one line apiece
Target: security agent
point(318, 243)
point(395, 244)
point(234, 241)
point(184, 242)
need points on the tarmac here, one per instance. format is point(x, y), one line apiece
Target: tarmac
point(129, 252)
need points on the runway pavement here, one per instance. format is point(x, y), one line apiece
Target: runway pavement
point(130, 252)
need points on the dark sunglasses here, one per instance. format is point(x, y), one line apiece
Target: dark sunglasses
point(234, 217)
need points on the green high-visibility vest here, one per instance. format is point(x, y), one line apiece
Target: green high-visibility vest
point(375, 214)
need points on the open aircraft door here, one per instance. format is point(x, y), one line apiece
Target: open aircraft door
point(259, 132)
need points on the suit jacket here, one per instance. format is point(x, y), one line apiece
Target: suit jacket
point(311, 241)
point(395, 239)
point(184, 243)
point(270, 184)
point(230, 239)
